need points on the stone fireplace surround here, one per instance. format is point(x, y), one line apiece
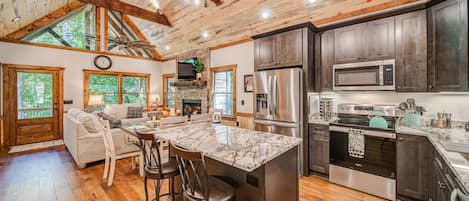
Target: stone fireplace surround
point(194, 92)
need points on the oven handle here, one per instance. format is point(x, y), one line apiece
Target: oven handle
point(365, 132)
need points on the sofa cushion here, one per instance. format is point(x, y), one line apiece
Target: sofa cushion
point(90, 122)
point(113, 122)
point(73, 112)
point(134, 112)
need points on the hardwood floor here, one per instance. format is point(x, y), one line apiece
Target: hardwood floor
point(51, 175)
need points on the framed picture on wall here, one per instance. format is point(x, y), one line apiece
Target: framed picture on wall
point(248, 83)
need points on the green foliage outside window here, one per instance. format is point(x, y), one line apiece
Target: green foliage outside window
point(134, 90)
point(106, 85)
point(77, 30)
point(34, 95)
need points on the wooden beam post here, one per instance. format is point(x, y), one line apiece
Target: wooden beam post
point(129, 9)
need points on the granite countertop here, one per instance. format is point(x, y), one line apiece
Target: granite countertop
point(241, 148)
point(456, 162)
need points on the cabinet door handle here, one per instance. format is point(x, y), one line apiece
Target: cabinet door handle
point(430, 86)
point(401, 139)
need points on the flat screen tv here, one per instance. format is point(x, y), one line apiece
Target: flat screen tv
point(186, 71)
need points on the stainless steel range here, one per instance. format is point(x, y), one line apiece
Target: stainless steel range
point(363, 149)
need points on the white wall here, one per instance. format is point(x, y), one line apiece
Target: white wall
point(74, 62)
point(456, 103)
point(243, 56)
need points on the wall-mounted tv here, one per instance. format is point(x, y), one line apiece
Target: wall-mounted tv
point(186, 69)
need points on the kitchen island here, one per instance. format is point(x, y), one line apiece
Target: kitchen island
point(260, 165)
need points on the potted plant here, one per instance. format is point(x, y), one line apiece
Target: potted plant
point(198, 67)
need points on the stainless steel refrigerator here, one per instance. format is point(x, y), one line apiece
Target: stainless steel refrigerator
point(278, 102)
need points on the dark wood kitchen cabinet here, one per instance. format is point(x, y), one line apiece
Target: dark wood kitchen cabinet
point(368, 41)
point(348, 44)
point(264, 49)
point(411, 52)
point(280, 50)
point(413, 172)
point(319, 148)
point(326, 61)
point(289, 48)
point(447, 44)
point(378, 39)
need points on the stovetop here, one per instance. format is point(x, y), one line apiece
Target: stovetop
point(362, 122)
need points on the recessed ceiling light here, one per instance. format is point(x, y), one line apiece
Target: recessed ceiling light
point(156, 3)
point(16, 19)
point(167, 47)
point(205, 34)
point(197, 2)
point(266, 13)
point(311, 1)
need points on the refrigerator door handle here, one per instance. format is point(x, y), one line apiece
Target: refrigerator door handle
point(276, 123)
point(274, 94)
point(271, 96)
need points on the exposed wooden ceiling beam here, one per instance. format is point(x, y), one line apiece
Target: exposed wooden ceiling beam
point(139, 34)
point(218, 2)
point(44, 21)
point(129, 9)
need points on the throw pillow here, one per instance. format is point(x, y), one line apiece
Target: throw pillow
point(113, 122)
point(134, 112)
point(90, 122)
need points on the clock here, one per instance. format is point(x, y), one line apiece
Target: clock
point(102, 62)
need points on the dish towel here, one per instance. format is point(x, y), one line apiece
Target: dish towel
point(356, 143)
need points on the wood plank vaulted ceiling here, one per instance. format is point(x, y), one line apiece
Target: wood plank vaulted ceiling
point(234, 20)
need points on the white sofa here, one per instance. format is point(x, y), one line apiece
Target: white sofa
point(119, 111)
point(86, 147)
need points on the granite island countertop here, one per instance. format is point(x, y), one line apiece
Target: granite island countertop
point(456, 162)
point(241, 148)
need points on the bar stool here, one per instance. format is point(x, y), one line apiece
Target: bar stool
point(154, 168)
point(197, 185)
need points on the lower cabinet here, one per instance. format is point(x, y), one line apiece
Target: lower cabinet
point(319, 148)
point(413, 159)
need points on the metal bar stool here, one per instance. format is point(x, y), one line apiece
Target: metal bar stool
point(154, 168)
point(197, 185)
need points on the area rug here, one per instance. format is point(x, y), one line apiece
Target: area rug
point(40, 145)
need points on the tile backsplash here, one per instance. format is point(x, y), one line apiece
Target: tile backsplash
point(455, 103)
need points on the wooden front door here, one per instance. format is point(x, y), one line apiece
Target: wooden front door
point(32, 103)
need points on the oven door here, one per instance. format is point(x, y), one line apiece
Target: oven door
point(380, 152)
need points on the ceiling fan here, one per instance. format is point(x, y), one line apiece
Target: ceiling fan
point(123, 41)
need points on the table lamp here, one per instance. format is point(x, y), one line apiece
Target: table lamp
point(154, 100)
point(94, 102)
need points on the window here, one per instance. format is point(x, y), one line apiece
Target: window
point(168, 90)
point(106, 85)
point(224, 89)
point(134, 90)
point(76, 30)
point(117, 87)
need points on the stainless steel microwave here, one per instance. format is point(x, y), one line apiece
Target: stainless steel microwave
point(372, 75)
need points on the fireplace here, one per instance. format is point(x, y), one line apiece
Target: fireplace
point(191, 106)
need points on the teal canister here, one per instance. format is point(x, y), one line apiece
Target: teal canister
point(412, 119)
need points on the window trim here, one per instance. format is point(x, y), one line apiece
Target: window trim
point(120, 75)
point(226, 68)
point(164, 78)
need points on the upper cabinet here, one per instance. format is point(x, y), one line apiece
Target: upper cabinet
point(326, 61)
point(378, 39)
point(448, 56)
point(284, 49)
point(365, 42)
point(348, 44)
point(411, 52)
